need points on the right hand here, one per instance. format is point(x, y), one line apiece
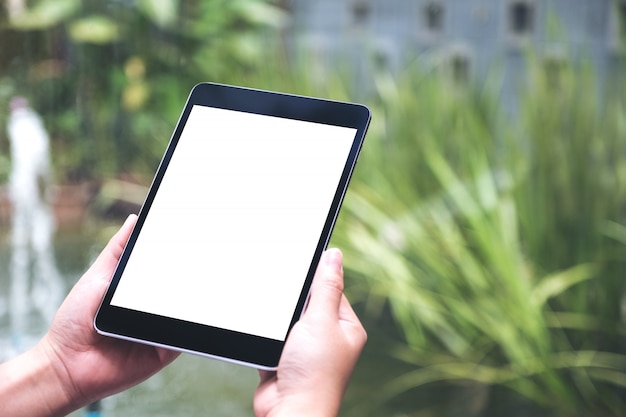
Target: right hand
point(320, 352)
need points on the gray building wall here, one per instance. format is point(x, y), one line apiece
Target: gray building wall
point(476, 39)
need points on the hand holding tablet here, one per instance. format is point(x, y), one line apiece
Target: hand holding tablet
point(320, 353)
point(247, 175)
point(73, 366)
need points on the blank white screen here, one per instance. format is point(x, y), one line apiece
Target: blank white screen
point(231, 232)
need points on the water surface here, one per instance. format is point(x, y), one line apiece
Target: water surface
point(191, 386)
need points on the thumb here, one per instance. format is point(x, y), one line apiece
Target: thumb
point(327, 287)
point(106, 262)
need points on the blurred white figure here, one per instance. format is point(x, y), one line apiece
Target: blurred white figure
point(32, 221)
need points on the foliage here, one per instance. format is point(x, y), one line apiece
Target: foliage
point(497, 247)
point(111, 76)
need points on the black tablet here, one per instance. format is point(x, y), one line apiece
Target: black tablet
point(240, 210)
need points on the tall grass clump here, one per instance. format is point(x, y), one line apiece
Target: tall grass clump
point(496, 244)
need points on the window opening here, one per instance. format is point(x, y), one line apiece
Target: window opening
point(521, 18)
point(433, 17)
point(360, 11)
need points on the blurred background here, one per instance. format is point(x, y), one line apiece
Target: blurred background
point(484, 232)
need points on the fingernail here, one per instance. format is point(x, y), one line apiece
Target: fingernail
point(130, 218)
point(334, 258)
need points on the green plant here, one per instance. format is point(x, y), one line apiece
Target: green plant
point(498, 250)
point(111, 77)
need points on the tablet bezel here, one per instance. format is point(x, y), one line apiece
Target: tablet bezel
point(232, 346)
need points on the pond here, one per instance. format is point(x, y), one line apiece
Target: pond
point(197, 386)
point(191, 386)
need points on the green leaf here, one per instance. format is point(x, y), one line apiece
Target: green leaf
point(94, 29)
point(162, 12)
point(45, 14)
point(615, 231)
point(555, 284)
point(262, 13)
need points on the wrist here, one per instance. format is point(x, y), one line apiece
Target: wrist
point(31, 386)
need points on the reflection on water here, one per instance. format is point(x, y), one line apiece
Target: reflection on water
point(68, 270)
point(36, 272)
point(35, 284)
point(191, 386)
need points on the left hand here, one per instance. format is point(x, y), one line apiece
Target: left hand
point(91, 366)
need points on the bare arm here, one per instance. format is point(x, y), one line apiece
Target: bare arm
point(73, 365)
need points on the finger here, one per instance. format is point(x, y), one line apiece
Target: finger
point(346, 312)
point(116, 244)
point(351, 324)
point(266, 375)
point(90, 288)
point(327, 287)
point(111, 253)
point(113, 250)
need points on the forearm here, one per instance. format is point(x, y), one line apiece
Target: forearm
point(30, 386)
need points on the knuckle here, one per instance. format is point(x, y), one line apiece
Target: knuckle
point(333, 281)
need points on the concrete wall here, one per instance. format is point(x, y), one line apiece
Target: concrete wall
point(481, 34)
